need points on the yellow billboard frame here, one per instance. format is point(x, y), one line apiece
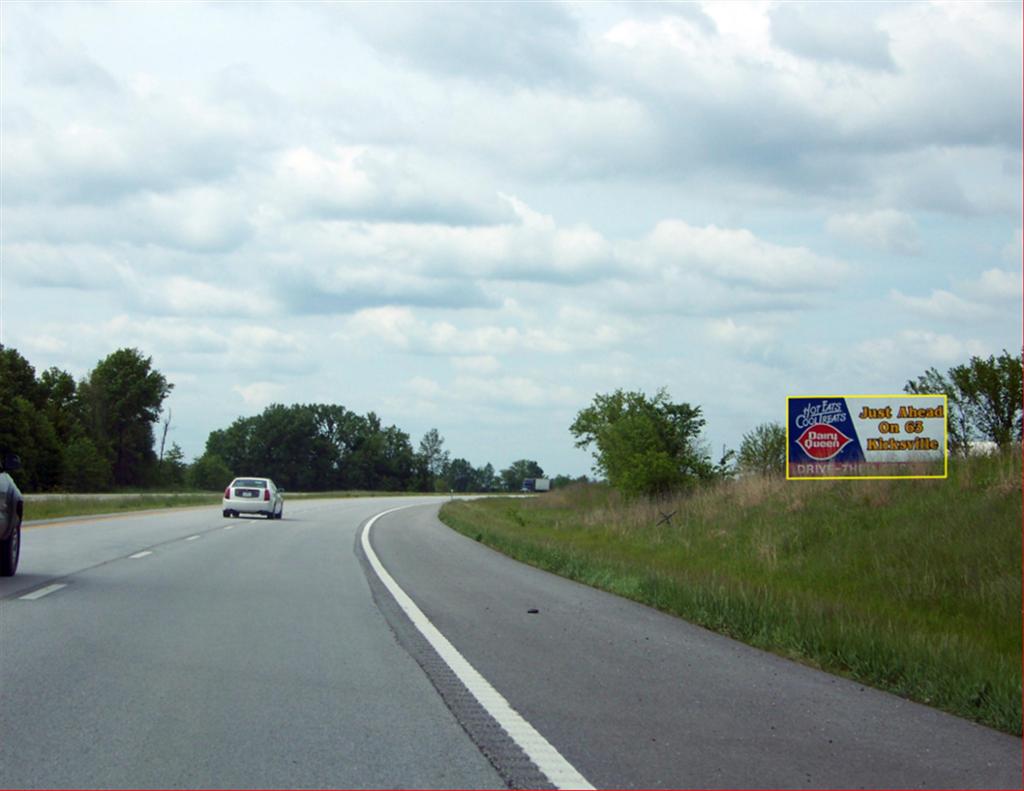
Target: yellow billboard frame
point(945, 442)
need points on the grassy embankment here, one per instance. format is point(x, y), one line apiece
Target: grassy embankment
point(913, 586)
point(69, 505)
point(57, 507)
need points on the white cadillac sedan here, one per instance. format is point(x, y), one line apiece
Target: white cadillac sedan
point(253, 496)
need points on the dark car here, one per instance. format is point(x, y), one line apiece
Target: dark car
point(12, 506)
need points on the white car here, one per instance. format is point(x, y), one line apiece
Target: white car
point(253, 496)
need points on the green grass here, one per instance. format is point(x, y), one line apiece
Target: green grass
point(913, 586)
point(59, 506)
point(357, 493)
point(72, 505)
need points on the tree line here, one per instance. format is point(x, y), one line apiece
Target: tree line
point(87, 435)
point(100, 433)
point(97, 433)
point(650, 446)
point(326, 447)
point(986, 404)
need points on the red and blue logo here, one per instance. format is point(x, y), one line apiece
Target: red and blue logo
point(822, 430)
point(823, 441)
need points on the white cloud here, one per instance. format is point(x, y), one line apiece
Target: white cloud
point(737, 256)
point(994, 297)
point(258, 395)
point(514, 391)
point(942, 305)
point(401, 330)
point(478, 364)
point(501, 209)
point(923, 347)
point(373, 183)
point(848, 34)
point(887, 230)
point(997, 285)
point(1014, 251)
point(743, 336)
point(425, 388)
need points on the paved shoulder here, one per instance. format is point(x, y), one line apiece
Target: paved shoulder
point(635, 698)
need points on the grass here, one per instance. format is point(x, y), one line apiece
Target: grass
point(913, 586)
point(69, 505)
point(72, 505)
point(357, 493)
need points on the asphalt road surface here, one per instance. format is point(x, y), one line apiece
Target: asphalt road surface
point(180, 649)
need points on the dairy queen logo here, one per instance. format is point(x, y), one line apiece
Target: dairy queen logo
point(822, 441)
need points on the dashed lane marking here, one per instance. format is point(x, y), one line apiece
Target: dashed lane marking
point(43, 592)
point(141, 554)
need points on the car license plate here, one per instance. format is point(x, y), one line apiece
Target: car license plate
point(245, 493)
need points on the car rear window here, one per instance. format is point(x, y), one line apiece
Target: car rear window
point(252, 483)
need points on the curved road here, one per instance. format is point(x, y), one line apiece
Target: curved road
point(179, 649)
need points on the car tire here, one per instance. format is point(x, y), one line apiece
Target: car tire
point(10, 550)
point(227, 514)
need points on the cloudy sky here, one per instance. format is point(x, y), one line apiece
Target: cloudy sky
point(476, 216)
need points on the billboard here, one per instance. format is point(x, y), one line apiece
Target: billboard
point(866, 436)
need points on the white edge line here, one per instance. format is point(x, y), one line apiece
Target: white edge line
point(43, 592)
point(551, 762)
point(141, 554)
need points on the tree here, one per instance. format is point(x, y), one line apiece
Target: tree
point(432, 456)
point(512, 477)
point(317, 447)
point(958, 418)
point(992, 390)
point(561, 481)
point(486, 479)
point(173, 467)
point(763, 450)
point(18, 377)
point(984, 399)
point(644, 446)
point(234, 444)
point(284, 446)
point(61, 405)
point(122, 398)
point(85, 468)
point(210, 473)
point(461, 476)
point(25, 428)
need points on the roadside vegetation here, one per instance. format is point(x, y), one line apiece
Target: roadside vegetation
point(70, 505)
point(911, 586)
point(109, 432)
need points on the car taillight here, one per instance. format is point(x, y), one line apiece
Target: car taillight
point(227, 493)
point(266, 495)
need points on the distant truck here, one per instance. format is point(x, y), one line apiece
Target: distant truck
point(536, 485)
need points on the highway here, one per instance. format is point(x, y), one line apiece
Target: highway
point(334, 649)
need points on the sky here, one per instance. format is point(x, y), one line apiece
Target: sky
point(478, 216)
